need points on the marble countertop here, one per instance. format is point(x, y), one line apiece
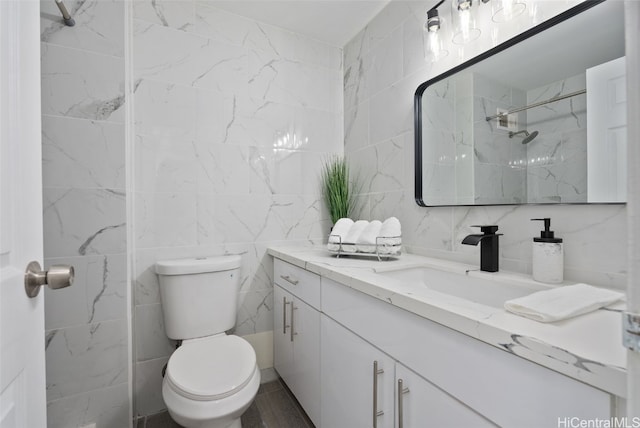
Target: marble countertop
point(587, 348)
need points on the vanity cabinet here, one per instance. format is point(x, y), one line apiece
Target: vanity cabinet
point(505, 389)
point(328, 336)
point(420, 404)
point(357, 380)
point(296, 334)
point(364, 387)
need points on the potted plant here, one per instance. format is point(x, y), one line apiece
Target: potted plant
point(338, 189)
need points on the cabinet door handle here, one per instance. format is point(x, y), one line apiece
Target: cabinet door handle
point(376, 413)
point(293, 333)
point(401, 391)
point(284, 314)
point(289, 279)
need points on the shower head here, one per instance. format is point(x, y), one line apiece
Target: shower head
point(527, 137)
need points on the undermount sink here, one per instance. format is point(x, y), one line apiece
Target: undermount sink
point(479, 290)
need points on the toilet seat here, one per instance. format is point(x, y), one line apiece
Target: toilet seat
point(211, 368)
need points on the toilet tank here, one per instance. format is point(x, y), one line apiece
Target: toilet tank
point(199, 295)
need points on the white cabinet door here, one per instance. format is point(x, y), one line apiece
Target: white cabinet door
point(305, 376)
point(296, 349)
point(348, 380)
point(282, 344)
point(424, 405)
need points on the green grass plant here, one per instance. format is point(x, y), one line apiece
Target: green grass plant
point(338, 189)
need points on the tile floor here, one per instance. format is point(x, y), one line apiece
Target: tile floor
point(274, 407)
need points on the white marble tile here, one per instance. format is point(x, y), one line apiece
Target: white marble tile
point(164, 164)
point(386, 21)
point(380, 167)
point(84, 358)
point(356, 128)
point(218, 118)
point(386, 63)
point(165, 219)
point(82, 153)
point(268, 125)
point(240, 218)
point(426, 227)
point(151, 340)
point(386, 121)
point(147, 288)
point(255, 312)
point(164, 54)
point(356, 48)
point(309, 220)
point(178, 57)
point(83, 222)
point(148, 387)
point(276, 79)
point(97, 294)
point(169, 13)
point(221, 25)
point(222, 169)
point(316, 130)
point(106, 407)
point(164, 109)
point(81, 84)
point(277, 171)
point(355, 82)
point(99, 25)
point(315, 52)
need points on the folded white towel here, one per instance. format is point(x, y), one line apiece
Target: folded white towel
point(339, 233)
point(352, 236)
point(390, 232)
point(366, 242)
point(562, 302)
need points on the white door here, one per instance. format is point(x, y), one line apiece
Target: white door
point(607, 132)
point(22, 365)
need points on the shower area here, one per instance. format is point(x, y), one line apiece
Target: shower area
point(492, 142)
point(170, 129)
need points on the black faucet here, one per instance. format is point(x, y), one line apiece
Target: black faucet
point(489, 248)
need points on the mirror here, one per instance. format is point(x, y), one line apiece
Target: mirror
point(539, 119)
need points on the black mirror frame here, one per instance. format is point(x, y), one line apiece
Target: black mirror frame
point(417, 99)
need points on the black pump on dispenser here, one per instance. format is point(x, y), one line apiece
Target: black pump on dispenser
point(546, 235)
point(548, 258)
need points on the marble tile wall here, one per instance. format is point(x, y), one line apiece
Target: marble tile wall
point(557, 162)
point(383, 66)
point(83, 151)
point(233, 119)
point(499, 174)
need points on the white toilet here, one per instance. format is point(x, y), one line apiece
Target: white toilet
point(213, 377)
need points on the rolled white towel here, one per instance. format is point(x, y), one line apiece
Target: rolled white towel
point(367, 240)
point(339, 233)
point(352, 236)
point(562, 302)
point(390, 232)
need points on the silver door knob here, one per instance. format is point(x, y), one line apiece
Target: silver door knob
point(58, 276)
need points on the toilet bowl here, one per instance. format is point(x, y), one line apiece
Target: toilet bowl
point(210, 382)
point(212, 378)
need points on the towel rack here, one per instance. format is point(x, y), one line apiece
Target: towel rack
point(538, 104)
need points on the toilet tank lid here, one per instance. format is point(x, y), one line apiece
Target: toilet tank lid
point(198, 265)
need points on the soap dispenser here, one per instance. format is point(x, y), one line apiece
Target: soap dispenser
point(548, 259)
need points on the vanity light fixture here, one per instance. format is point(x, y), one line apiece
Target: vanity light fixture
point(463, 4)
point(434, 49)
point(433, 21)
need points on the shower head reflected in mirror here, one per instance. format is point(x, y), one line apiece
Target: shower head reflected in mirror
point(527, 137)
